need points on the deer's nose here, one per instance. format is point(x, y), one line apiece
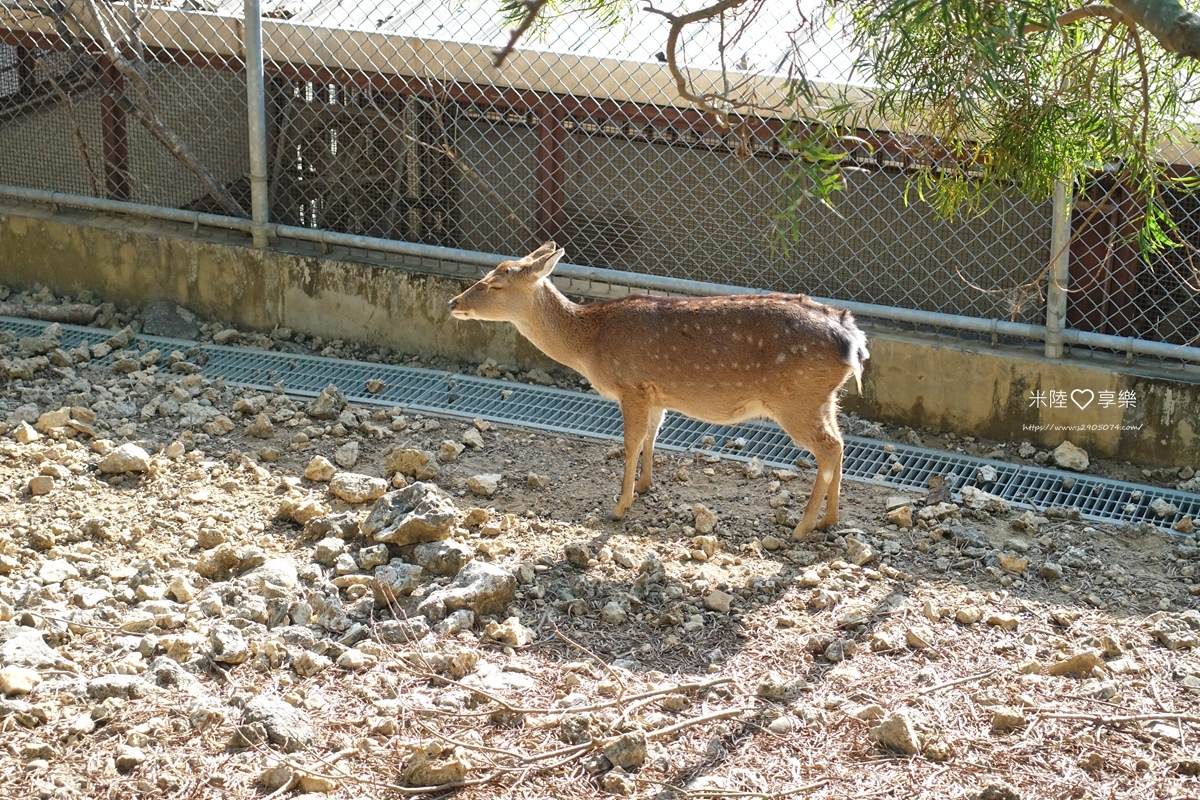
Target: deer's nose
point(453, 303)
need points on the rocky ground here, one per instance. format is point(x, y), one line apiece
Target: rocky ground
point(215, 592)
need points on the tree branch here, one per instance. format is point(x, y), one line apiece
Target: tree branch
point(1075, 15)
point(1175, 27)
point(678, 23)
point(534, 8)
point(91, 18)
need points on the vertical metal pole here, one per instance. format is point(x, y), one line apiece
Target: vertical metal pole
point(1060, 275)
point(256, 104)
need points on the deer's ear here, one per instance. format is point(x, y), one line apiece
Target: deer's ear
point(541, 267)
point(541, 252)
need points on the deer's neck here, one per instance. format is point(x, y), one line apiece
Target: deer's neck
point(555, 326)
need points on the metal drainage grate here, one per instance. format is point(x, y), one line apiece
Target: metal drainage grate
point(544, 408)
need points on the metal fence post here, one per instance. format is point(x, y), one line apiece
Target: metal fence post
point(1060, 276)
point(257, 131)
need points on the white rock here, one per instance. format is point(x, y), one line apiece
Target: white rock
point(485, 484)
point(24, 433)
point(126, 458)
point(56, 571)
point(53, 420)
point(320, 469)
point(261, 427)
point(18, 680)
point(897, 732)
point(450, 451)
point(1068, 456)
point(859, 552)
point(706, 520)
point(42, 484)
point(354, 487)
point(1162, 508)
point(613, 614)
point(346, 456)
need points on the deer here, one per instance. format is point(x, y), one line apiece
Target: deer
point(718, 359)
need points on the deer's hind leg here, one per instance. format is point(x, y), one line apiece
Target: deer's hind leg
point(646, 475)
point(815, 427)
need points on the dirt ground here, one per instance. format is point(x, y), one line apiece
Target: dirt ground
point(984, 652)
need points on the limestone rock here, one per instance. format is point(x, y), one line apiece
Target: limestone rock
point(308, 664)
point(718, 601)
point(1068, 456)
point(919, 636)
point(56, 570)
point(435, 764)
point(1006, 719)
point(613, 614)
point(126, 758)
point(228, 645)
point(1011, 562)
point(985, 502)
point(706, 520)
point(328, 404)
point(484, 485)
point(901, 517)
point(450, 451)
point(354, 487)
point(481, 586)
point(441, 558)
point(413, 463)
point(124, 687)
point(1162, 508)
point(126, 458)
point(25, 647)
point(164, 318)
point(261, 427)
point(510, 632)
point(968, 615)
point(394, 580)
point(24, 433)
point(1177, 631)
point(859, 553)
point(628, 751)
point(1080, 665)
point(420, 512)
point(320, 469)
point(18, 680)
point(286, 725)
point(346, 456)
point(896, 732)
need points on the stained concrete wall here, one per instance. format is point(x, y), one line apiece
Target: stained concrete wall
point(971, 390)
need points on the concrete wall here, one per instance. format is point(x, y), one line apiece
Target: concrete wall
point(972, 390)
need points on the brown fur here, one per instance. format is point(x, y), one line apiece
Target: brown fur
point(719, 359)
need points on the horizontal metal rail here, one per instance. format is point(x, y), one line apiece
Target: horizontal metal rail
point(897, 465)
point(434, 253)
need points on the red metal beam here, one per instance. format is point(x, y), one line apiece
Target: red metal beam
point(551, 192)
point(115, 130)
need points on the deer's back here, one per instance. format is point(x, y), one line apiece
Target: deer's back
point(723, 352)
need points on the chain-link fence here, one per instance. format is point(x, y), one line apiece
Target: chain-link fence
point(390, 120)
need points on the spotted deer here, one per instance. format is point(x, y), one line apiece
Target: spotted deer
point(718, 359)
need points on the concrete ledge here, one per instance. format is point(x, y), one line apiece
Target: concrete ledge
point(997, 392)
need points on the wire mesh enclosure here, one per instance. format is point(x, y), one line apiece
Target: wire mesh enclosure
point(390, 119)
